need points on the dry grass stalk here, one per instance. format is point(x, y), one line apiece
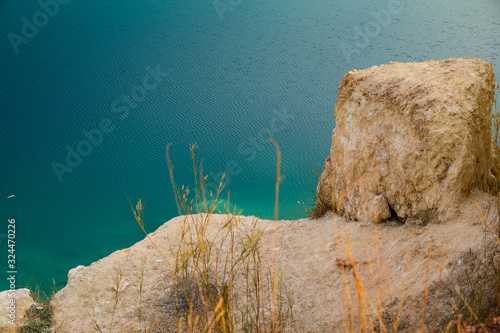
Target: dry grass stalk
point(278, 178)
point(171, 173)
point(213, 263)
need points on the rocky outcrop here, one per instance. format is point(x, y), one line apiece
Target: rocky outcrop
point(14, 305)
point(417, 135)
point(131, 288)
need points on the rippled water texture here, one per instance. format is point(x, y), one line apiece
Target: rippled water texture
point(226, 76)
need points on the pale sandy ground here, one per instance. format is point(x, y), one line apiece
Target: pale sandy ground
point(306, 251)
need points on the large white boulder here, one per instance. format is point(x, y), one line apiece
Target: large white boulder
point(416, 134)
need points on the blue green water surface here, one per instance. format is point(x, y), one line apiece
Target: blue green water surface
point(228, 74)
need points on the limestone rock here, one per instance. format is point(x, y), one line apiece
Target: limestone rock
point(109, 290)
point(495, 167)
point(22, 303)
point(378, 209)
point(75, 270)
point(417, 133)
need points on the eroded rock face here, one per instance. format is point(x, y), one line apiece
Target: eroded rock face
point(418, 134)
point(108, 294)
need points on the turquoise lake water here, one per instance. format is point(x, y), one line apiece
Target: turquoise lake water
point(225, 75)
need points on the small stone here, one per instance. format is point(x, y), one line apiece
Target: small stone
point(23, 303)
point(378, 209)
